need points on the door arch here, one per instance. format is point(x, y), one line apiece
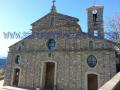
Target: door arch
point(16, 77)
point(92, 82)
point(49, 75)
point(48, 67)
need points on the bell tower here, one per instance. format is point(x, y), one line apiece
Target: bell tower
point(95, 21)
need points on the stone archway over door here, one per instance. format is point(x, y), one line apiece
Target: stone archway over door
point(49, 76)
point(92, 82)
point(16, 77)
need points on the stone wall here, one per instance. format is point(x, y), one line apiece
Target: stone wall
point(72, 68)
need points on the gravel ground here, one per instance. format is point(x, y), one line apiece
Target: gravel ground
point(8, 87)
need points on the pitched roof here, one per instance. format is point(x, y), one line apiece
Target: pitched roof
point(61, 16)
point(55, 19)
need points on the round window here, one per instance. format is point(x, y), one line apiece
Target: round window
point(92, 61)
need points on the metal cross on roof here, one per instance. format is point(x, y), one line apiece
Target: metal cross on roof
point(53, 6)
point(54, 2)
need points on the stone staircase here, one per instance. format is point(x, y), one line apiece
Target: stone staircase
point(49, 89)
point(113, 84)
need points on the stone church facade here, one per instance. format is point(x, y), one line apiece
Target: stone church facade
point(59, 56)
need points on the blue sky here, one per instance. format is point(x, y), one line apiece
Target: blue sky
point(17, 15)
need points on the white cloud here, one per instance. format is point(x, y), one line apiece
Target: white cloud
point(4, 44)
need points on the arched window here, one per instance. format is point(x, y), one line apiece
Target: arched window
point(51, 44)
point(17, 59)
point(91, 45)
point(92, 61)
point(94, 12)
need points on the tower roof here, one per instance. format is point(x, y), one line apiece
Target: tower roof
point(95, 7)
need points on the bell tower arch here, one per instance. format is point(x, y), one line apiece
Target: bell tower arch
point(95, 21)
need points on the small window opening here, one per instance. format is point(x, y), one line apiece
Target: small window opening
point(49, 54)
point(91, 46)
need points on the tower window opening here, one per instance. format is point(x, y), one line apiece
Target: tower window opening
point(94, 15)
